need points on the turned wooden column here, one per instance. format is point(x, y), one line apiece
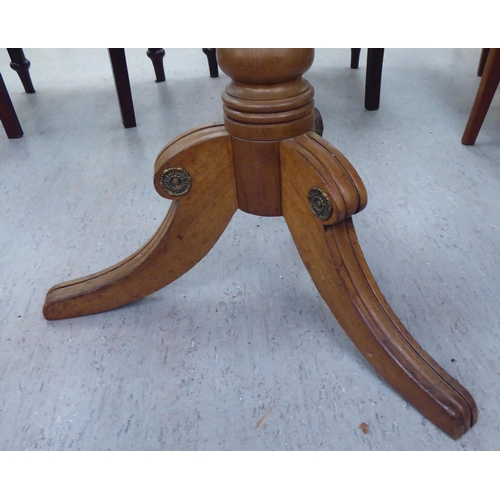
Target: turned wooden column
point(267, 101)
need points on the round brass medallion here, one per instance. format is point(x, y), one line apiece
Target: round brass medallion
point(176, 181)
point(320, 203)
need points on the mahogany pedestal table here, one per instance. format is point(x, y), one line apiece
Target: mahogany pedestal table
point(265, 160)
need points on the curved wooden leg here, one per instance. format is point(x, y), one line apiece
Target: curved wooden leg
point(192, 226)
point(331, 253)
point(482, 61)
point(487, 88)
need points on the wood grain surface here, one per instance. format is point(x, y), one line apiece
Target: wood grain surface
point(191, 227)
point(333, 257)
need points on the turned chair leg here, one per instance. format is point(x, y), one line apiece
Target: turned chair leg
point(122, 84)
point(156, 56)
point(21, 66)
point(487, 88)
point(212, 62)
point(8, 115)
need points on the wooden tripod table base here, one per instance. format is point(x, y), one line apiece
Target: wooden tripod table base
point(266, 160)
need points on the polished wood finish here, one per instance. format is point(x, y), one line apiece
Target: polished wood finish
point(332, 255)
point(257, 172)
point(8, 115)
point(281, 106)
point(21, 66)
point(259, 116)
point(267, 160)
point(191, 227)
point(487, 88)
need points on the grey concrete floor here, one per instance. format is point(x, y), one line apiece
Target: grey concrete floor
point(241, 353)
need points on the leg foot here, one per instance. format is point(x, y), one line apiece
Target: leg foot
point(191, 228)
point(482, 61)
point(156, 56)
point(484, 96)
point(122, 84)
point(374, 64)
point(21, 65)
point(355, 58)
point(8, 115)
point(213, 67)
point(318, 122)
point(335, 261)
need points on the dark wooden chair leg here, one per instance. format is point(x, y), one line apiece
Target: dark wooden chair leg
point(355, 58)
point(21, 66)
point(212, 62)
point(122, 83)
point(8, 114)
point(156, 56)
point(484, 96)
point(374, 63)
point(482, 61)
point(318, 123)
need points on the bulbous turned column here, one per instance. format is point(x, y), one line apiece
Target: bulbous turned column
point(267, 101)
